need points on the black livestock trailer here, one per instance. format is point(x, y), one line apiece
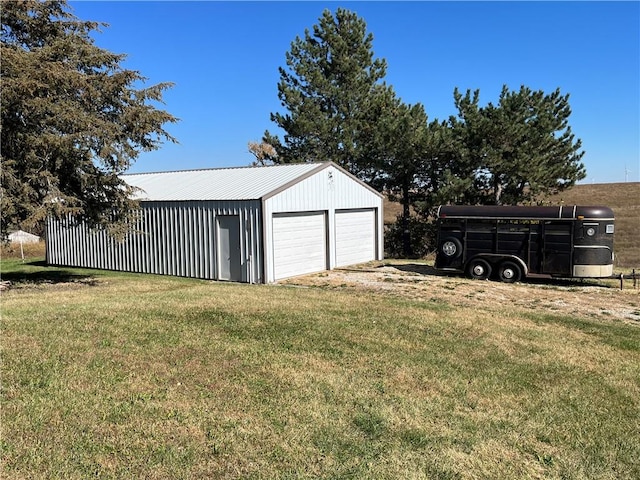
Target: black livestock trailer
point(514, 242)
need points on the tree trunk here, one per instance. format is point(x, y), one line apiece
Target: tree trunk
point(406, 233)
point(497, 190)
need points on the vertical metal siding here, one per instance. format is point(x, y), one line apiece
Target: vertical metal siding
point(169, 238)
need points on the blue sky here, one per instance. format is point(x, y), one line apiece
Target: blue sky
point(224, 56)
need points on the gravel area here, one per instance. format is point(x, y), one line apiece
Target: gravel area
point(591, 298)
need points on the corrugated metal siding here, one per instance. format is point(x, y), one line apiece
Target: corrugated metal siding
point(246, 183)
point(168, 238)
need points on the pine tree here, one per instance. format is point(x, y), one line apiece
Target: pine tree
point(333, 95)
point(72, 120)
point(405, 139)
point(522, 148)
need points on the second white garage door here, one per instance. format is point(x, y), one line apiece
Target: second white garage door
point(355, 236)
point(299, 244)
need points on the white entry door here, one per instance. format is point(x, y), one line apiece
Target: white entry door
point(299, 244)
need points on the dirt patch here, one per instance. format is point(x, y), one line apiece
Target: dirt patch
point(600, 299)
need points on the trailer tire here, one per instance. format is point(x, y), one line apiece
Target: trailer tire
point(509, 272)
point(479, 269)
point(451, 247)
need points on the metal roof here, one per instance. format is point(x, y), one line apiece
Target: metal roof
point(241, 183)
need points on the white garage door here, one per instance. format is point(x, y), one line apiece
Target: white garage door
point(299, 244)
point(355, 237)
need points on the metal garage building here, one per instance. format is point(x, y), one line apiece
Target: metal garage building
point(251, 224)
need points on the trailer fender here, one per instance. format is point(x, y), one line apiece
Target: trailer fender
point(519, 261)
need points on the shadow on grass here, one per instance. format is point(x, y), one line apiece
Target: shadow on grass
point(419, 268)
point(38, 272)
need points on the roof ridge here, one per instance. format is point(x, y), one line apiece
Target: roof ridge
point(240, 167)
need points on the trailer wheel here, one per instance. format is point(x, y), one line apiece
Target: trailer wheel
point(509, 272)
point(479, 269)
point(451, 247)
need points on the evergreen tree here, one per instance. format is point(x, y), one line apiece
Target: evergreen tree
point(425, 167)
point(405, 142)
point(72, 120)
point(333, 94)
point(522, 148)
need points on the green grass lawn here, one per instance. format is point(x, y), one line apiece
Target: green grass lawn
point(112, 375)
